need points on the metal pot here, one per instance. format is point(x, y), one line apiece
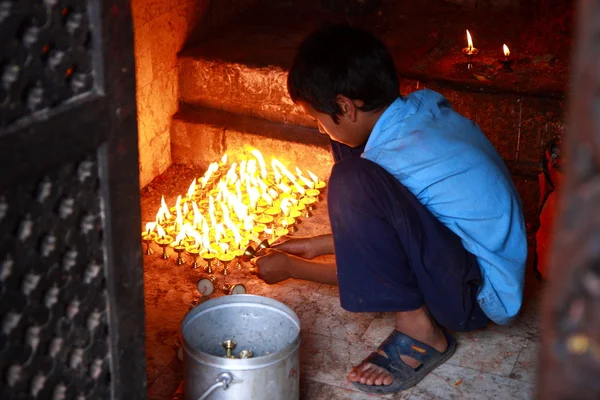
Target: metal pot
point(266, 327)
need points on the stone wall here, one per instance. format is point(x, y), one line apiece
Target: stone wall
point(161, 29)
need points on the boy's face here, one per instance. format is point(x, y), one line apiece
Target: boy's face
point(347, 131)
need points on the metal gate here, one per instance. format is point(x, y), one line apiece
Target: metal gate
point(71, 283)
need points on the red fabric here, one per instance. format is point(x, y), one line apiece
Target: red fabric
point(547, 216)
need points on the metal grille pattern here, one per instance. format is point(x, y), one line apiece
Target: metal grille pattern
point(45, 56)
point(53, 303)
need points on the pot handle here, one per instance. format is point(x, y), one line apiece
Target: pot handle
point(224, 379)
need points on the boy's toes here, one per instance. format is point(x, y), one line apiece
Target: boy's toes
point(369, 374)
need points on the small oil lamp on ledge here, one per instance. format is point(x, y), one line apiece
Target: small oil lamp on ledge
point(506, 61)
point(469, 51)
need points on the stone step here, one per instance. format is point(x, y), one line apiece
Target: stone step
point(201, 136)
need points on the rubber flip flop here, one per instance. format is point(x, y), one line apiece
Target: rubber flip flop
point(403, 375)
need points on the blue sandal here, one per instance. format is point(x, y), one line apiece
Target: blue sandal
point(403, 375)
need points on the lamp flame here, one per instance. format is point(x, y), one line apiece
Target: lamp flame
point(150, 227)
point(469, 41)
point(191, 189)
point(506, 50)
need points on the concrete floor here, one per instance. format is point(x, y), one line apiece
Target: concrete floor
point(498, 362)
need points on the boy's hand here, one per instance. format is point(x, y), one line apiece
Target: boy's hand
point(301, 247)
point(273, 267)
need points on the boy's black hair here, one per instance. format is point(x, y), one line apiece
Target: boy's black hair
point(340, 59)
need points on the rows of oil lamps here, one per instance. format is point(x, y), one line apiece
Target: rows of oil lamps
point(292, 198)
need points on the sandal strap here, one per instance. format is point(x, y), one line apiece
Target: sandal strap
point(398, 344)
point(389, 365)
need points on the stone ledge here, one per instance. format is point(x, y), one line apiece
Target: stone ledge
point(202, 136)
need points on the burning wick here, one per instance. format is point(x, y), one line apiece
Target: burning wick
point(469, 51)
point(506, 63)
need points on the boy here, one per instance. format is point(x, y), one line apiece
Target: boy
point(426, 222)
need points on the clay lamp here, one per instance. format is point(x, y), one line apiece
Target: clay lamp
point(506, 61)
point(469, 51)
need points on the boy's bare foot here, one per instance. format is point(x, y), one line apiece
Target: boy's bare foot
point(417, 324)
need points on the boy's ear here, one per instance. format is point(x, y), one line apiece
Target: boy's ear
point(347, 106)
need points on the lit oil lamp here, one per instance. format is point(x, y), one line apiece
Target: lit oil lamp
point(238, 253)
point(310, 205)
point(194, 252)
point(280, 232)
point(318, 183)
point(148, 236)
point(208, 257)
point(259, 229)
point(225, 257)
point(223, 167)
point(506, 62)
point(178, 247)
point(469, 51)
point(163, 241)
point(313, 193)
point(265, 219)
point(273, 212)
point(289, 223)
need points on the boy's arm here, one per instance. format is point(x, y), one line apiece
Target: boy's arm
point(308, 247)
point(277, 266)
